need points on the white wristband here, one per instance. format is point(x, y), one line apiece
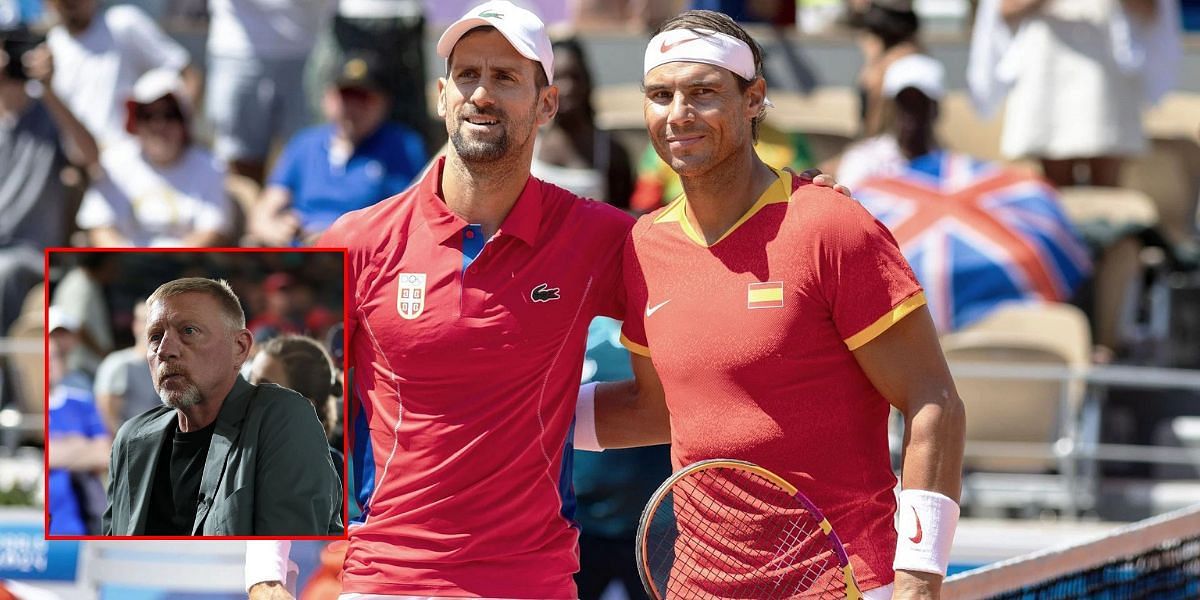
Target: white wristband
point(585, 419)
point(925, 524)
point(267, 560)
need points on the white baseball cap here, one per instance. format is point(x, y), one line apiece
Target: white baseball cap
point(523, 29)
point(153, 85)
point(918, 71)
point(57, 318)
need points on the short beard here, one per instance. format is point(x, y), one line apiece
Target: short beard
point(188, 397)
point(479, 151)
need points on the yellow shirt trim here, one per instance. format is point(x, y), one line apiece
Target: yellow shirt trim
point(634, 347)
point(882, 324)
point(777, 192)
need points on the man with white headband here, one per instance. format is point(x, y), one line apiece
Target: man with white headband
point(471, 296)
point(782, 320)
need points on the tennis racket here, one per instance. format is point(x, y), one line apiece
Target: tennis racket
point(732, 529)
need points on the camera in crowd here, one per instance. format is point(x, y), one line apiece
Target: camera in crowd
point(16, 42)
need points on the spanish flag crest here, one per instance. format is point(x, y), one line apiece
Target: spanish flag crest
point(767, 294)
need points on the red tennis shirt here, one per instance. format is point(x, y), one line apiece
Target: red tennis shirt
point(467, 379)
point(753, 338)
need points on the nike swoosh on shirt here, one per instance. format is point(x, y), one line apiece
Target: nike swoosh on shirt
point(916, 539)
point(653, 309)
point(665, 47)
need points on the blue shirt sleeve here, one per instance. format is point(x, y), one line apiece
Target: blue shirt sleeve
point(406, 158)
point(76, 415)
point(287, 167)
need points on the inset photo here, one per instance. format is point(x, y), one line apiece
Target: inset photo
point(194, 393)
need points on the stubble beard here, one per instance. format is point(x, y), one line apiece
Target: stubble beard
point(188, 397)
point(475, 150)
point(485, 151)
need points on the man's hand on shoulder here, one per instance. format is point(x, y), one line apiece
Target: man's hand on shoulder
point(822, 180)
point(270, 590)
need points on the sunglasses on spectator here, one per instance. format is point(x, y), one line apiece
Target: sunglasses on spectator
point(169, 115)
point(356, 93)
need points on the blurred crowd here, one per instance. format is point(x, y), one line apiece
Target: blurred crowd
point(112, 134)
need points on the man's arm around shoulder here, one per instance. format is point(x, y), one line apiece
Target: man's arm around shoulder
point(625, 414)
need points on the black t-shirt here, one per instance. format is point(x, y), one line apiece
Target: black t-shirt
point(177, 475)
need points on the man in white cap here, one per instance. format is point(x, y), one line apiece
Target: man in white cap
point(78, 445)
point(912, 88)
point(813, 325)
point(472, 293)
point(159, 188)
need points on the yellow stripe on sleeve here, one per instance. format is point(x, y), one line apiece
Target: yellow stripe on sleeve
point(634, 347)
point(890, 318)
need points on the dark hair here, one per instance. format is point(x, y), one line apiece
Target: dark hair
point(539, 72)
point(892, 27)
point(572, 45)
point(721, 23)
point(309, 372)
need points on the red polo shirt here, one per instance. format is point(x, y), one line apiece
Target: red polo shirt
point(468, 380)
point(753, 337)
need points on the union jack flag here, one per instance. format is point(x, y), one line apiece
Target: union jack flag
point(978, 234)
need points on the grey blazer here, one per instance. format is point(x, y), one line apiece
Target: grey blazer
point(268, 470)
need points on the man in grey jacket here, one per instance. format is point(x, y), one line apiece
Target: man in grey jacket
point(222, 456)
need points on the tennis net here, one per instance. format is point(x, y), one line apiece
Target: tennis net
point(1158, 559)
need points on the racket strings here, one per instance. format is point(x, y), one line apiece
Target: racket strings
point(727, 533)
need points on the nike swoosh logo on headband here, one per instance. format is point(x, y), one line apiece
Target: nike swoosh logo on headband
point(665, 47)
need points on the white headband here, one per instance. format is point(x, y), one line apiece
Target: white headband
point(702, 46)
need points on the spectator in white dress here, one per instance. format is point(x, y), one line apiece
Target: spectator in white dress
point(1077, 76)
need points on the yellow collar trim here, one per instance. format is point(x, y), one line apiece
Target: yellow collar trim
point(676, 212)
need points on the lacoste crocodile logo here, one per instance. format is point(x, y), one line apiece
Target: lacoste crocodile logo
point(543, 293)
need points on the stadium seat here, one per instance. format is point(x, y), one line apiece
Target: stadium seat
point(961, 129)
point(1023, 435)
point(1169, 174)
point(1113, 220)
point(1175, 116)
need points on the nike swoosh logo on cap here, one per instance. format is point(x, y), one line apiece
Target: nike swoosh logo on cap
point(653, 309)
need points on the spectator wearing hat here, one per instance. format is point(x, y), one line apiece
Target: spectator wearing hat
point(78, 445)
point(38, 137)
point(157, 189)
point(101, 53)
point(395, 31)
point(911, 88)
point(352, 161)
